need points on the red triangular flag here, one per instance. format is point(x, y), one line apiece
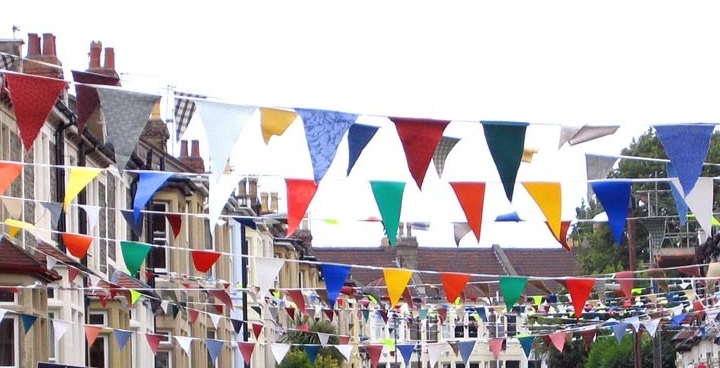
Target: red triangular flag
point(193, 315)
point(442, 314)
point(626, 285)
point(219, 308)
point(297, 297)
point(419, 138)
point(8, 172)
point(588, 337)
point(103, 300)
point(384, 315)
point(175, 221)
point(257, 329)
point(329, 313)
point(154, 341)
point(304, 328)
point(246, 348)
point(32, 98)
point(496, 347)
point(472, 198)
point(204, 259)
point(300, 193)
point(374, 352)
point(77, 244)
point(579, 291)
point(344, 339)
point(222, 296)
point(558, 340)
point(564, 228)
point(454, 284)
point(72, 273)
point(291, 312)
point(91, 333)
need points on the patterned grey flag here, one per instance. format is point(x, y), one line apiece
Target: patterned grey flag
point(566, 132)
point(442, 151)
point(597, 167)
point(656, 227)
point(588, 133)
point(126, 114)
point(7, 61)
point(460, 229)
point(55, 209)
point(184, 111)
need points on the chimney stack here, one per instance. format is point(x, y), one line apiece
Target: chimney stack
point(108, 69)
point(183, 149)
point(194, 162)
point(273, 202)
point(264, 202)
point(95, 51)
point(109, 58)
point(242, 192)
point(33, 45)
point(156, 132)
point(48, 55)
point(195, 148)
point(49, 45)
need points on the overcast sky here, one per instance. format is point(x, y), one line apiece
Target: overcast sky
point(546, 63)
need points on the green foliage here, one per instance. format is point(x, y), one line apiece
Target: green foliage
point(327, 357)
point(606, 352)
point(574, 354)
point(295, 358)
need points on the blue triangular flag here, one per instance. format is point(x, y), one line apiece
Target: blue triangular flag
point(213, 347)
point(136, 227)
point(312, 351)
point(148, 183)
point(508, 217)
point(406, 351)
point(246, 221)
point(686, 158)
point(324, 130)
point(619, 331)
point(614, 195)
point(527, 343)
point(359, 136)
point(28, 321)
point(334, 276)
point(423, 313)
point(481, 311)
point(465, 348)
point(122, 338)
point(677, 320)
point(680, 204)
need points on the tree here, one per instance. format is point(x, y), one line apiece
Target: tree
point(327, 357)
point(606, 352)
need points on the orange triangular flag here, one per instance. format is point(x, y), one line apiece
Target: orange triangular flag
point(91, 333)
point(300, 193)
point(275, 122)
point(454, 284)
point(396, 280)
point(579, 292)
point(77, 244)
point(471, 196)
point(548, 197)
point(8, 172)
point(558, 339)
point(420, 138)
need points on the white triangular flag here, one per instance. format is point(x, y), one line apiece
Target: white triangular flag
point(94, 280)
point(218, 197)
point(164, 305)
point(184, 342)
point(266, 279)
point(215, 319)
point(14, 207)
point(59, 328)
point(634, 321)
point(700, 202)
point(93, 215)
point(345, 350)
point(651, 326)
point(2, 313)
point(434, 351)
point(51, 262)
point(676, 310)
point(279, 351)
point(323, 337)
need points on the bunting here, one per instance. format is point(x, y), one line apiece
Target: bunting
point(59, 328)
point(579, 290)
point(87, 99)
point(203, 260)
point(275, 122)
point(558, 340)
point(687, 159)
point(213, 347)
point(279, 351)
point(527, 343)
point(700, 202)
point(388, 196)
point(175, 222)
point(614, 195)
point(420, 138)
point(619, 331)
point(406, 351)
point(471, 197)
point(597, 167)
point(466, 347)
point(680, 205)
point(548, 197)
point(334, 276)
point(28, 321)
point(460, 229)
point(246, 349)
point(359, 135)
point(148, 183)
point(121, 337)
point(79, 178)
point(511, 287)
point(311, 351)
point(91, 333)
point(374, 352)
point(271, 267)
point(9, 171)
point(299, 193)
point(454, 284)
point(77, 244)
point(506, 141)
point(496, 345)
point(184, 110)
point(153, 341)
point(396, 280)
point(324, 130)
point(134, 254)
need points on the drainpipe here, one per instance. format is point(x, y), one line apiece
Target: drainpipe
point(60, 177)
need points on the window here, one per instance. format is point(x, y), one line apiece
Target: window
point(511, 322)
point(7, 297)
point(161, 236)
point(210, 335)
point(52, 348)
point(99, 353)
point(9, 343)
point(163, 359)
point(97, 318)
point(166, 336)
point(512, 364)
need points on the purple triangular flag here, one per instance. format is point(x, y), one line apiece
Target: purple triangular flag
point(213, 347)
point(237, 325)
point(619, 331)
point(614, 195)
point(334, 275)
point(324, 130)
point(359, 136)
point(686, 158)
point(121, 337)
point(148, 183)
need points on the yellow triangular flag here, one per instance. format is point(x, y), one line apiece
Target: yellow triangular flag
point(396, 280)
point(134, 296)
point(80, 177)
point(537, 299)
point(548, 197)
point(275, 122)
point(14, 226)
point(528, 153)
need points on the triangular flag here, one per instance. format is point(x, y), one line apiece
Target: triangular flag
point(323, 337)
point(299, 194)
point(121, 337)
point(28, 321)
point(279, 351)
point(471, 196)
point(203, 260)
point(442, 151)
point(91, 333)
point(237, 325)
point(496, 346)
point(79, 178)
point(87, 98)
point(651, 326)
point(619, 331)
point(334, 275)
point(257, 329)
point(597, 167)
point(374, 352)
point(454, 284)
point(134, 254)
point(92, 213)
point(13, 206)
point(175, 221)
point(511, 287)
point(566, 132)
point(246, 349)
point(213, 347)
point(396, 280)
point(406, 351)
point(297, 297)
point(134, 296)
point(77, 244)
point(220, 191)
point(59, 328)
point(9, 171)
point(562, 239)
point(50, 262)
point(311, 351)
point(53, 208)
point(388, 196)
point(193, 315)
point(434, 350)
point(271, 267)
point(137, 227)
point(625, 279)
point(614, 195)
point(548, 197)
point(465, 347)
point(558, 340)
point(32, 98)
point(506, 141)
point(126, 114)
point(153, 341)
point(247, 222)
point(682, 208)
point(359, 135)
point(420, 138)
point(215, 318)
point(700, 202)
point(686, 158)
point(324, 130)
point(148, 183)
point(94, 279)
point(590, 132)
point(184, 342)
point(460, 229)
point(275, 122)
point(345, 350)
point(579, 290)
point(677, 320)
point(527, 343)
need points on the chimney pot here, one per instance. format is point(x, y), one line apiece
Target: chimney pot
point(274, 202)
point(33, 44)
point(48, 44)
point(264, 202)
point(95, 50)
point(183, 148)
point(109, 58)
point(195, 148)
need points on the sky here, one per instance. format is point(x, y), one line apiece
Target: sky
point(547, 63)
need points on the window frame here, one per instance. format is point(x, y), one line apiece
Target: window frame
point(16, 341)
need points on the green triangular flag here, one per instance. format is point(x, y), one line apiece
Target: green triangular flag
point(388, 196)
point(134, 254)
point(257, 309)
point(506, 141)
point(366, 314)
point(511, 287)
point(134, 296)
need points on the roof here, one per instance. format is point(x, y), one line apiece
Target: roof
point(14, 259)
point(126, 281)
